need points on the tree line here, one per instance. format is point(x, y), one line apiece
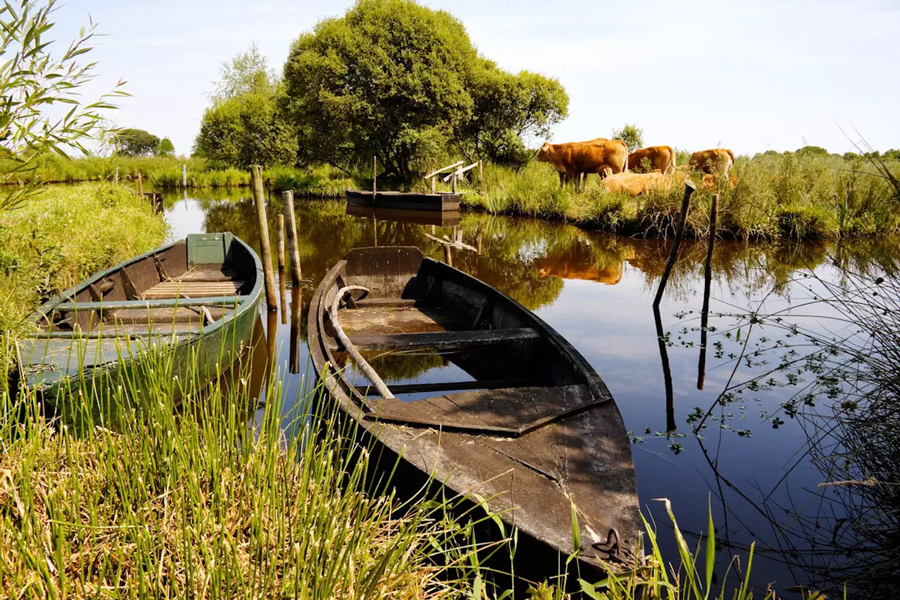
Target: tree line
point(390, 79)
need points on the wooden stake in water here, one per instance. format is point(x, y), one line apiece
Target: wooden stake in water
point(287, 199)
point(259, 196)
point(707, 285)
point(184, 176)
point(689, 189)
point(480, 179)
point(280, 230)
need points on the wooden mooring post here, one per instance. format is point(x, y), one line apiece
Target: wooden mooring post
point(287, 199)
point(480, 178)
point(689, 189)
point(140, 185)
point(259, 196)
point(707, 285)
point(280, 231)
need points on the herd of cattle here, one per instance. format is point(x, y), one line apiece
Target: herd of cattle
point(636, 173)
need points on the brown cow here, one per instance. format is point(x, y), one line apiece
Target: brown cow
point(718, 160)
point(573, 159)
point(636, 184)
point(659, 157)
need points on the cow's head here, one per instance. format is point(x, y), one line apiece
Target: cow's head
point(545, 152)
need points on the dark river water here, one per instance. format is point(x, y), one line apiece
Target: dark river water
point(757, 469)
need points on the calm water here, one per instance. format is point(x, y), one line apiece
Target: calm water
point(752, 466)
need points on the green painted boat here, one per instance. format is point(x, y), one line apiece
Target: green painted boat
point(198, 296)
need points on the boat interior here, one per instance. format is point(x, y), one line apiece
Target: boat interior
point(430, 334)
point(180, 289)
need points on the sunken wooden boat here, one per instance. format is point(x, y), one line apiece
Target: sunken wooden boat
point(440, 201)
point(525, 422)
point(200, 296)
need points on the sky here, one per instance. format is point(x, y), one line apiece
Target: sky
point(750, 76)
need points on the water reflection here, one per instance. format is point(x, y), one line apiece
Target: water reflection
point(596, 290)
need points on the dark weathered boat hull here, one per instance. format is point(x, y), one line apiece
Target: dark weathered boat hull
point(51, 362)
point(441, 201)
point(532, 464)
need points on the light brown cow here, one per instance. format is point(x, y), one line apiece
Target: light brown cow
point(659, 157)
point(636, 184)
point(715, 161)
point(574, 159)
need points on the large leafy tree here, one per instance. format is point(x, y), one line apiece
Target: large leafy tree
point(244, 125)
point(41, 109)
point(403, 82)
point(135, 142)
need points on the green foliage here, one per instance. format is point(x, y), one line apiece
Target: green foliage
point(812, 151)
point(402, 82)
point(33, 82)
point(631, 135)
point(64, 235)
point(165, 148)
point(508, 109)
point(135, 142)
point(244, 126)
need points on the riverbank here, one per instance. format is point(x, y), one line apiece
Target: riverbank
point(165, 172)
point(769, 197)
point(61, 236)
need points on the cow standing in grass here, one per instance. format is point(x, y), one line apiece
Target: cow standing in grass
point(717, 161)
point(652, 158)
point(571, 160)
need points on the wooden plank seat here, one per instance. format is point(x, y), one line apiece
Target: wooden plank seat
point(443, 340)
point(164, 316)
point(405, 319)
point(192, 289)
point(504, 411)
point(207, 274)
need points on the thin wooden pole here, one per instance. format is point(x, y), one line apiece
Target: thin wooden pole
point(374, 175)
point(184, 176)
point(434, 184)
point(117, 175)
point(453, 182)
point(287, 199)
point(259, 195)
point(140, 185)
point(280, 230)
point(689, 189)
point(707, 285)
point(282, 287)
point(480, 179)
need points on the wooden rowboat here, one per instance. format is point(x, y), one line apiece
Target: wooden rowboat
point(198, 295)
point(440, 201)
point(526, 423)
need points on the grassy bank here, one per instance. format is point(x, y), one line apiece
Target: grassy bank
point(772, 197)
point(63, 235)
point(166, 173)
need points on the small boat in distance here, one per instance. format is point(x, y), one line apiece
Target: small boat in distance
point(518, 417)
point(200, 294)
point(439, 201)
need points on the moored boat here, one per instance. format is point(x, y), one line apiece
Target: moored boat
point(441, 201)
point(198, 295)
point(523, 421)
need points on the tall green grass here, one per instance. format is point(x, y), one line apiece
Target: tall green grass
point(770, 197)
point(62, 236)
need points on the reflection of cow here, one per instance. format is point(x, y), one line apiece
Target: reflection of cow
point(636, 184)
point(572, 159)
point(580, 262)
point(661, 158)
point(716, 161)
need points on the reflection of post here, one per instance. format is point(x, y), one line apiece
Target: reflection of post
point(689, 189)
point(375, 231)
point(296, 304)
point(478, 235)
point(259, 195)
point(271, 337)
point(448, 258)
point(707, 284)
point(282, 288)
point(667, 372)
point(280, 229)
point(287, 199)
